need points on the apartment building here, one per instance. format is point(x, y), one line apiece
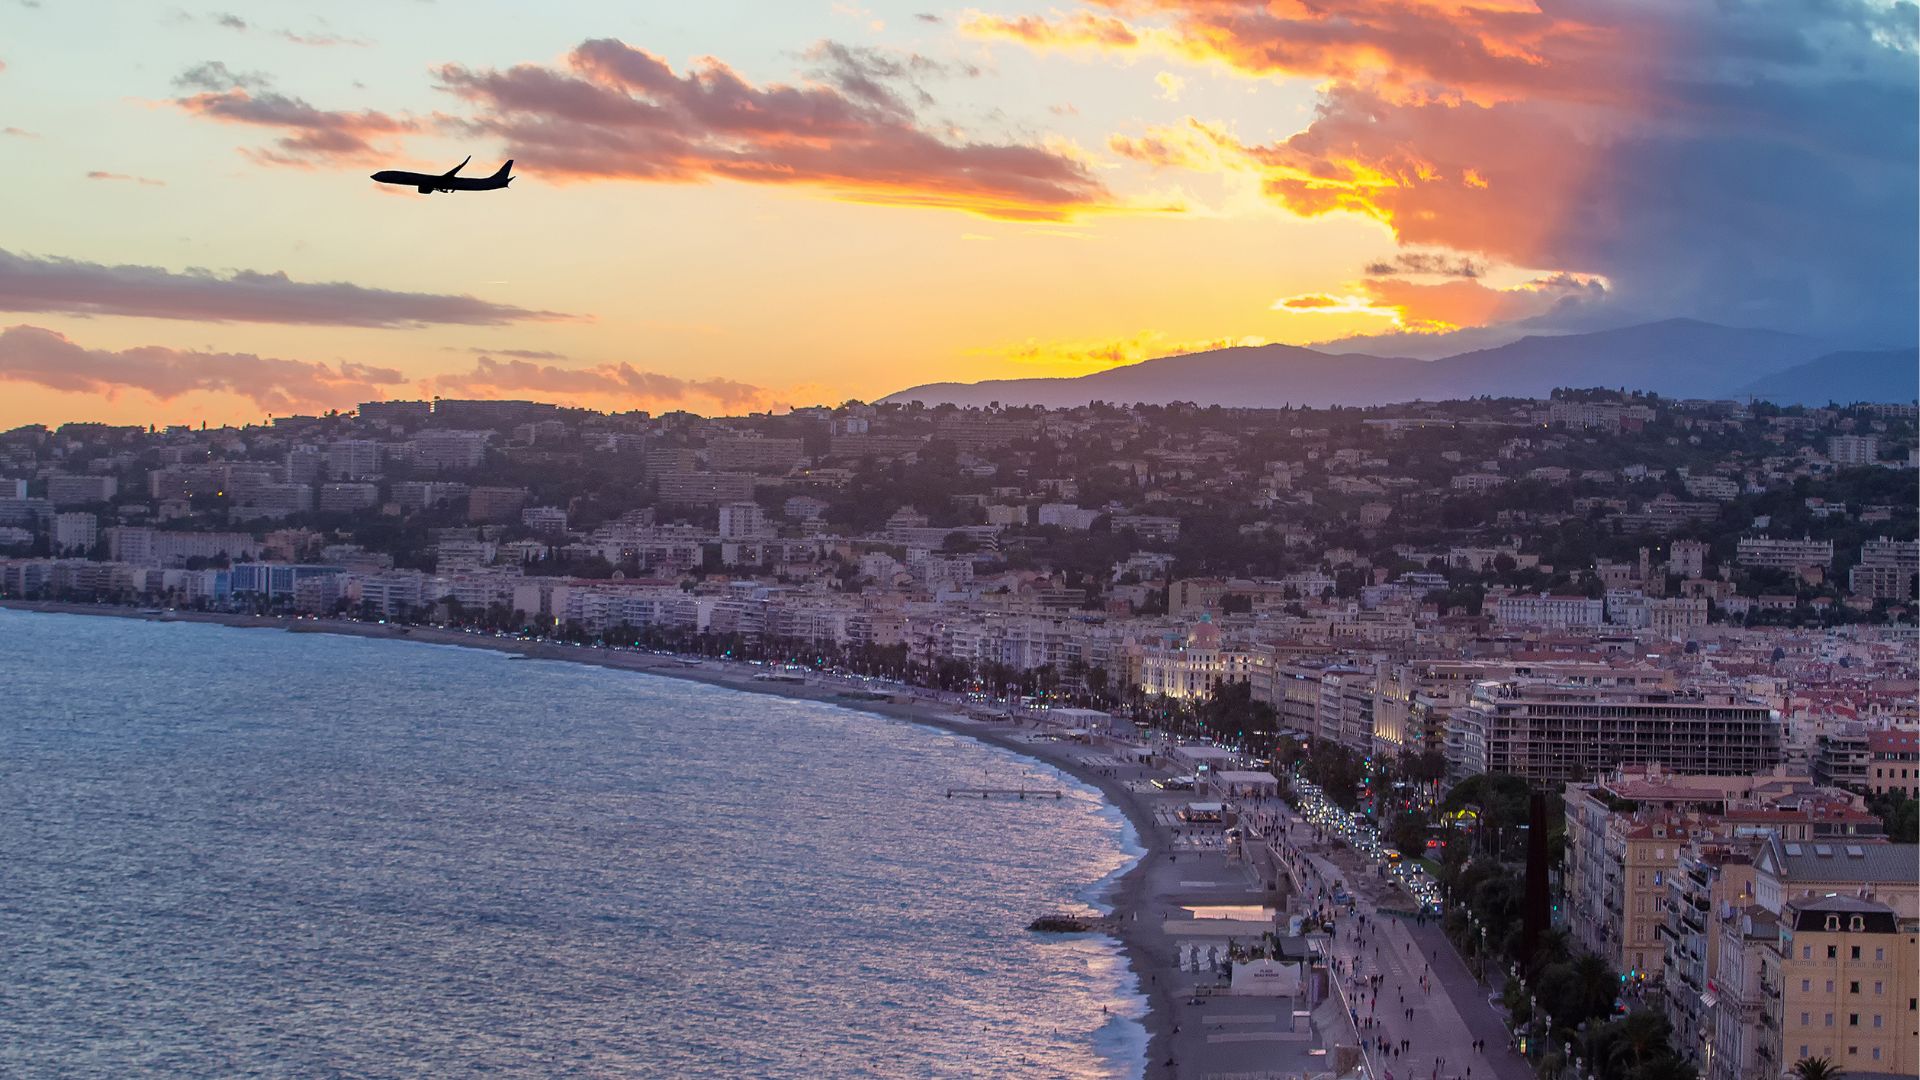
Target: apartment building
point(754, 455)
point(1617, 888)
point(1784, 554)
point(80, 490)
point(495, 504)
point(75, 531)
point(1853, 451)
point(1862, 759)
point(1558, 733)
point(1848, 973)
point(1549, 612)
point(688, 488)
point(1713, 879)
point(1887, 570)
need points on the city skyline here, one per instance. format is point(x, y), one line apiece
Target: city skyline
point(742, 209)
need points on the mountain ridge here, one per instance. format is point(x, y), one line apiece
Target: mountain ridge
point(1678, 357)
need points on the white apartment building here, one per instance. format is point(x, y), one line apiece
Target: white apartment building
point(75, 532)
point(1853, 451)
point(1549, 612)
point(1784, 554)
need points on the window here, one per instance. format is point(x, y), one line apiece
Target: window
point(1879, 954)
point(1829, 986)
point(1853, 1019)
point(1876, 1053)
point(1803, 1049)
point(1806, 952)
point(1853, 1051)
point(1803, 1023)
point(1876, 1019)
point(1878, 988)
point(1833, 952)
point(1806, 986)
point(1856, 952)
point(1829, 1020)
point(1853, 987)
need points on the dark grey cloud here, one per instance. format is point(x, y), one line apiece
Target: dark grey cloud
point(215, 75)
point(1427, 262)
point(1748, 162)
point(84, 288)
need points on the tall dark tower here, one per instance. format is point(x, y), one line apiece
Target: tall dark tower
point(1536, 912)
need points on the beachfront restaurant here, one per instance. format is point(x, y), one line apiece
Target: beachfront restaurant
point(1203, 813)
point(1241, 784)
point(1202, 760)
point(1206, 944)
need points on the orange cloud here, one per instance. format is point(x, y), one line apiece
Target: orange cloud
point(1489, 179)
point(1079, 30)
point(1427, 308)
point(614, 112)
point(1108, 352)
point(1404, 50)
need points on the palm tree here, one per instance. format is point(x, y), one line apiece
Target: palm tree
point(1641, 1034)
point(1816, 1068)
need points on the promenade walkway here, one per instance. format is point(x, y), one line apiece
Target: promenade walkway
point(1418, 970)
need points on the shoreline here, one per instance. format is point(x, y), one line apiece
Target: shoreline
point(1138, 939)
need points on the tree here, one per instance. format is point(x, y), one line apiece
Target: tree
point(1899, 813)
point(1815, 1068)
point(1409, 833)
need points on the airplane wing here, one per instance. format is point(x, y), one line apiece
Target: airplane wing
point(458, 167)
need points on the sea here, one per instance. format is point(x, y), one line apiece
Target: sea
point(239, 852)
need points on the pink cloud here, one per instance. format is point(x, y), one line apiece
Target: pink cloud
point(83, 288)
point(613, 112)
point(46, 358)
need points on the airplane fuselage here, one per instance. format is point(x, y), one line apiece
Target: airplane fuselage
point(428, 183)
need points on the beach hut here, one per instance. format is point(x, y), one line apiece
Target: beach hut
point(1202, 813)
point(1266, 978)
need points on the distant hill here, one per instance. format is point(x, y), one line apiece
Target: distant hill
point(1844, 377)
point(1262, 376)
point(1675, 357)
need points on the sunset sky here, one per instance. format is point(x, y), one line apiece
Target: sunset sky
point(724, 206)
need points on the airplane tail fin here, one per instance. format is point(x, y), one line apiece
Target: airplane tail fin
point(504, 170)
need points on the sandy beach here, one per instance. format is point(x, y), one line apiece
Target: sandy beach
point(1182, 1041)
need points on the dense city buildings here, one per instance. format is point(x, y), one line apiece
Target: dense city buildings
point(1546, 588)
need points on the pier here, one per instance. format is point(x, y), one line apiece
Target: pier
point(1015, 793)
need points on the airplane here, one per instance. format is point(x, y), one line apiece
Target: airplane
point(429, 183)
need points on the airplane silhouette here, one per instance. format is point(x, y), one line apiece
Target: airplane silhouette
point(428, 183)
